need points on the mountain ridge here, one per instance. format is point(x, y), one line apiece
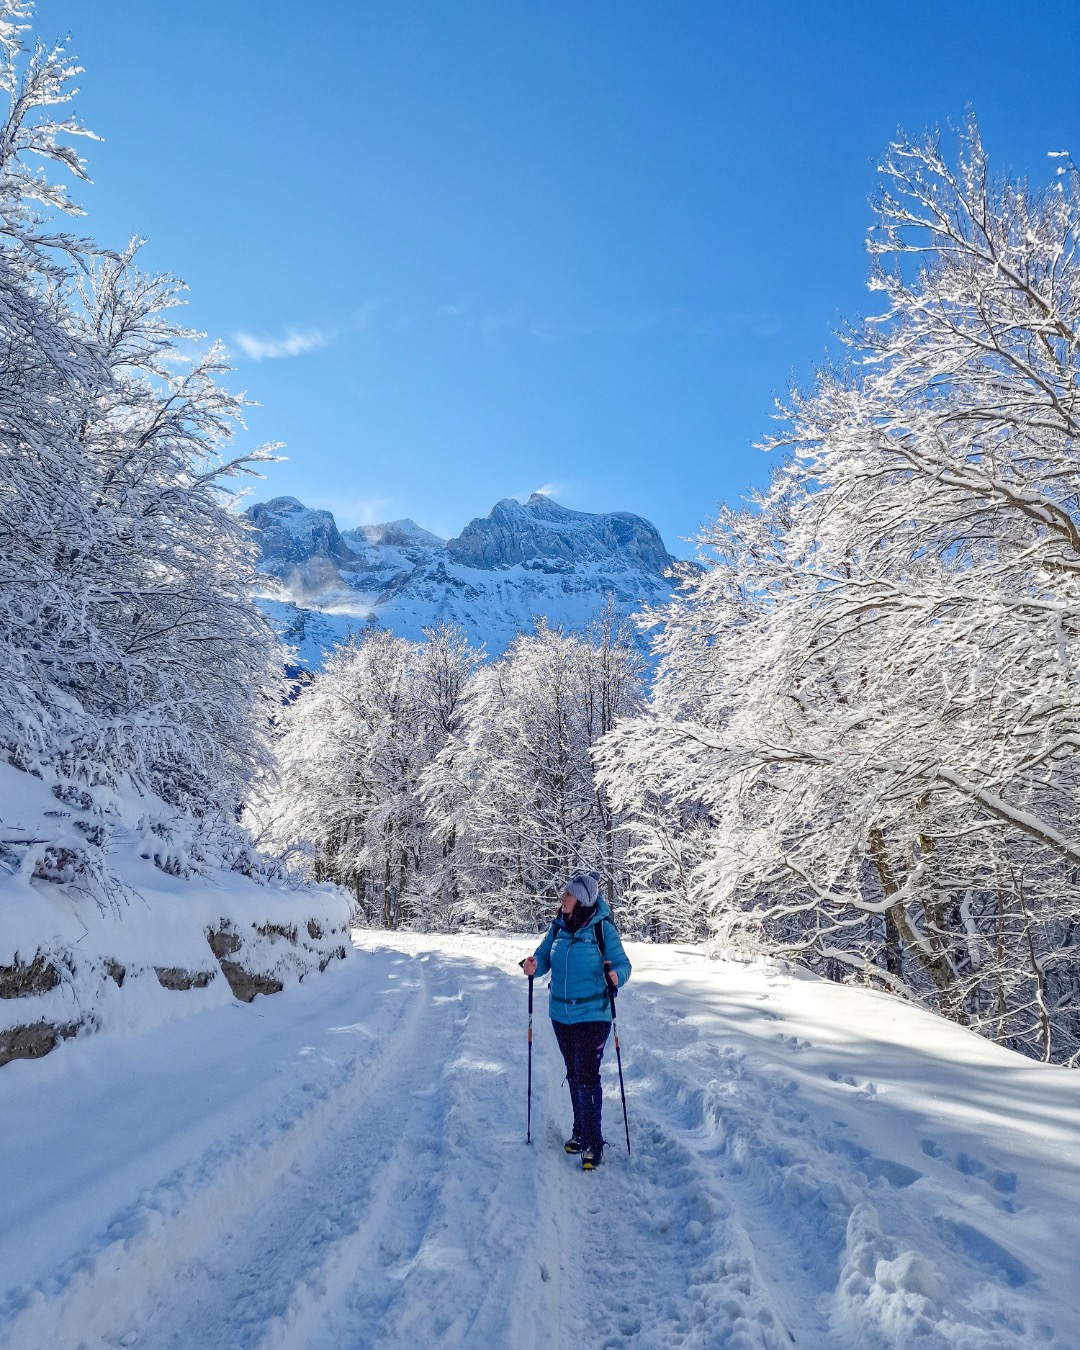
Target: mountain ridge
point(522, 562)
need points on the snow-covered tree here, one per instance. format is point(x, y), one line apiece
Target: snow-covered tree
point(870, 690)
point(353, 750)
point(518, 781)
point(130, 648)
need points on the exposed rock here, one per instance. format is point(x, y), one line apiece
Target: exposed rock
point(245, 984)
point(176, 977)
point(224, 941)
point(276, 931)
point(541, 529)
point(317, 563)
point(291, 532)
point(33, 1040)
point(21, 979)
point(116, 972)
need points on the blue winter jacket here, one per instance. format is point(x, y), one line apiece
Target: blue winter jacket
point(576, 992)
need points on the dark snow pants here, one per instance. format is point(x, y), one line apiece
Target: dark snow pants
point(582, 1045)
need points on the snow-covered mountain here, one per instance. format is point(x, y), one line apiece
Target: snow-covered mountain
point(520, 562)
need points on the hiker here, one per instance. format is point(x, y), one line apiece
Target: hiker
point(579, 948)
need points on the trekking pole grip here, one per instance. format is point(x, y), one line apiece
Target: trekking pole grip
point(612, 989)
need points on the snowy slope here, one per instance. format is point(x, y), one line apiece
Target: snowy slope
point(813, 1165)
point(116, 914)
point(520, 562)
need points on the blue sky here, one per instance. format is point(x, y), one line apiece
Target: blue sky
point(463, 250)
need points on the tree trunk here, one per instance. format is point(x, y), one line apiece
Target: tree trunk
point(926, 950)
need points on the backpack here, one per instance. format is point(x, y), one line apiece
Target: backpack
point(612, 989)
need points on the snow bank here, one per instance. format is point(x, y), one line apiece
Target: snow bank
point(115, 915)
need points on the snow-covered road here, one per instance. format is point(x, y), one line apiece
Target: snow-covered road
point(344, 1166)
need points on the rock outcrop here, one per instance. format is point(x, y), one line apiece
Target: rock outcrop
point(541, 529)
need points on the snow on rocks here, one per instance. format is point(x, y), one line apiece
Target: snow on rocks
point(145, 933)
point(520, 562)
point(812, 1164)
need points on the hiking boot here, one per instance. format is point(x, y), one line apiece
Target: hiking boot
point(591, 1157)
point(573, 1144)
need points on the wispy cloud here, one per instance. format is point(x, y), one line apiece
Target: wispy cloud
point(491, 325)
point(296, 341)
point(293, 343)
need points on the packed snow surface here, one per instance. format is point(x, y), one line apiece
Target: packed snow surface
point(344, 1165)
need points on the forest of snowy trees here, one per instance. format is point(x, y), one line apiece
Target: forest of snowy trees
point(855, 742)
point(443, 789)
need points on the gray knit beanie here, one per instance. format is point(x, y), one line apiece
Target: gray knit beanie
point(584, 887)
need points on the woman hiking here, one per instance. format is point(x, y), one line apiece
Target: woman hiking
point(580, 949)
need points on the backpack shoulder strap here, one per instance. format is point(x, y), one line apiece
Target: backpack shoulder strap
point(600, 939)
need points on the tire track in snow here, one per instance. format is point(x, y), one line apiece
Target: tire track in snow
point(353, 1200)
point(396, 1230)
point(101, 1299)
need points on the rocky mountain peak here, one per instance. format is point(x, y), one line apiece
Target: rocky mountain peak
point(522, 561)
point(397, 533)
point(513, 532)
point(290, 532)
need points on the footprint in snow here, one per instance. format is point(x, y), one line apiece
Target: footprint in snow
point(1003, 1183)
point(982, 1249)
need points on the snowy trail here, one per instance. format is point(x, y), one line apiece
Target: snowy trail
point(345, 1167)
point(358, 1189)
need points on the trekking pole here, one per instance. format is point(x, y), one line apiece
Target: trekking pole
point(528, 1111)
point(618, 1053)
